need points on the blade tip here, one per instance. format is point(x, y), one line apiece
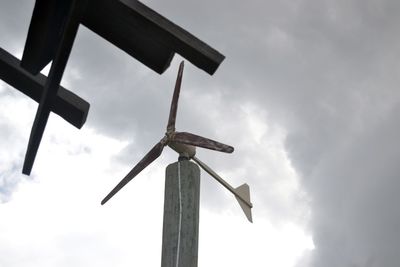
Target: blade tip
point(181, 67)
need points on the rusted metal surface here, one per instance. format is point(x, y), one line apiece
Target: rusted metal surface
point(152, 155)
point(175, 98)
point(66, 104)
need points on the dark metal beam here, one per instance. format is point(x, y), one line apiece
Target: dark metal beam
point(128, 24)
point(69, 106)
point(53, 81)
point(105, 17)
point(138, 17)
point(48, 20)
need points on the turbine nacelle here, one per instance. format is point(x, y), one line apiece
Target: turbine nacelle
point(186, 151)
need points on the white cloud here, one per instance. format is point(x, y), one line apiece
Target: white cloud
point(56, 218)
point(308, 95)
point(228, 242)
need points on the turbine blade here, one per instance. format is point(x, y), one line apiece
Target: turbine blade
point(174, 102)
point(195, 140)
point(153, 154)
point(244, 192)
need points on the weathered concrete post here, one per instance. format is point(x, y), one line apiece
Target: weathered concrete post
point(181, 215)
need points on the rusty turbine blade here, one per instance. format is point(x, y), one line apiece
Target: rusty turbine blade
point(153, 154)
point(174, 102)
point(195, 140)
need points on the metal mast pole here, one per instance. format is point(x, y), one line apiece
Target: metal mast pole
point(181, 215)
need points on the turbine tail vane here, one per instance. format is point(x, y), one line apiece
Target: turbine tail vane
point(242, 193)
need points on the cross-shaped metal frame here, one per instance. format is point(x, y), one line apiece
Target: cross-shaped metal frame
point(67, 105)
point(128, 24)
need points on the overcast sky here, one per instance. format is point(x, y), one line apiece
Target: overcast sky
point(308, 96)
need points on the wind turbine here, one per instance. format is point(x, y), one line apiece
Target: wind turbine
point(185, 144)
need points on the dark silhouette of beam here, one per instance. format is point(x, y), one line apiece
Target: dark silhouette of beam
point(109, 20)
point(47, 22)
point(69, 106)
point(154, 25)
point(128, 24)
point(52, 83)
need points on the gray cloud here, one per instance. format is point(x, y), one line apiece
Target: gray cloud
point(354, 199)
point(9, 180)
point(326, 72)
point(11, 155)
point(14, 23)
